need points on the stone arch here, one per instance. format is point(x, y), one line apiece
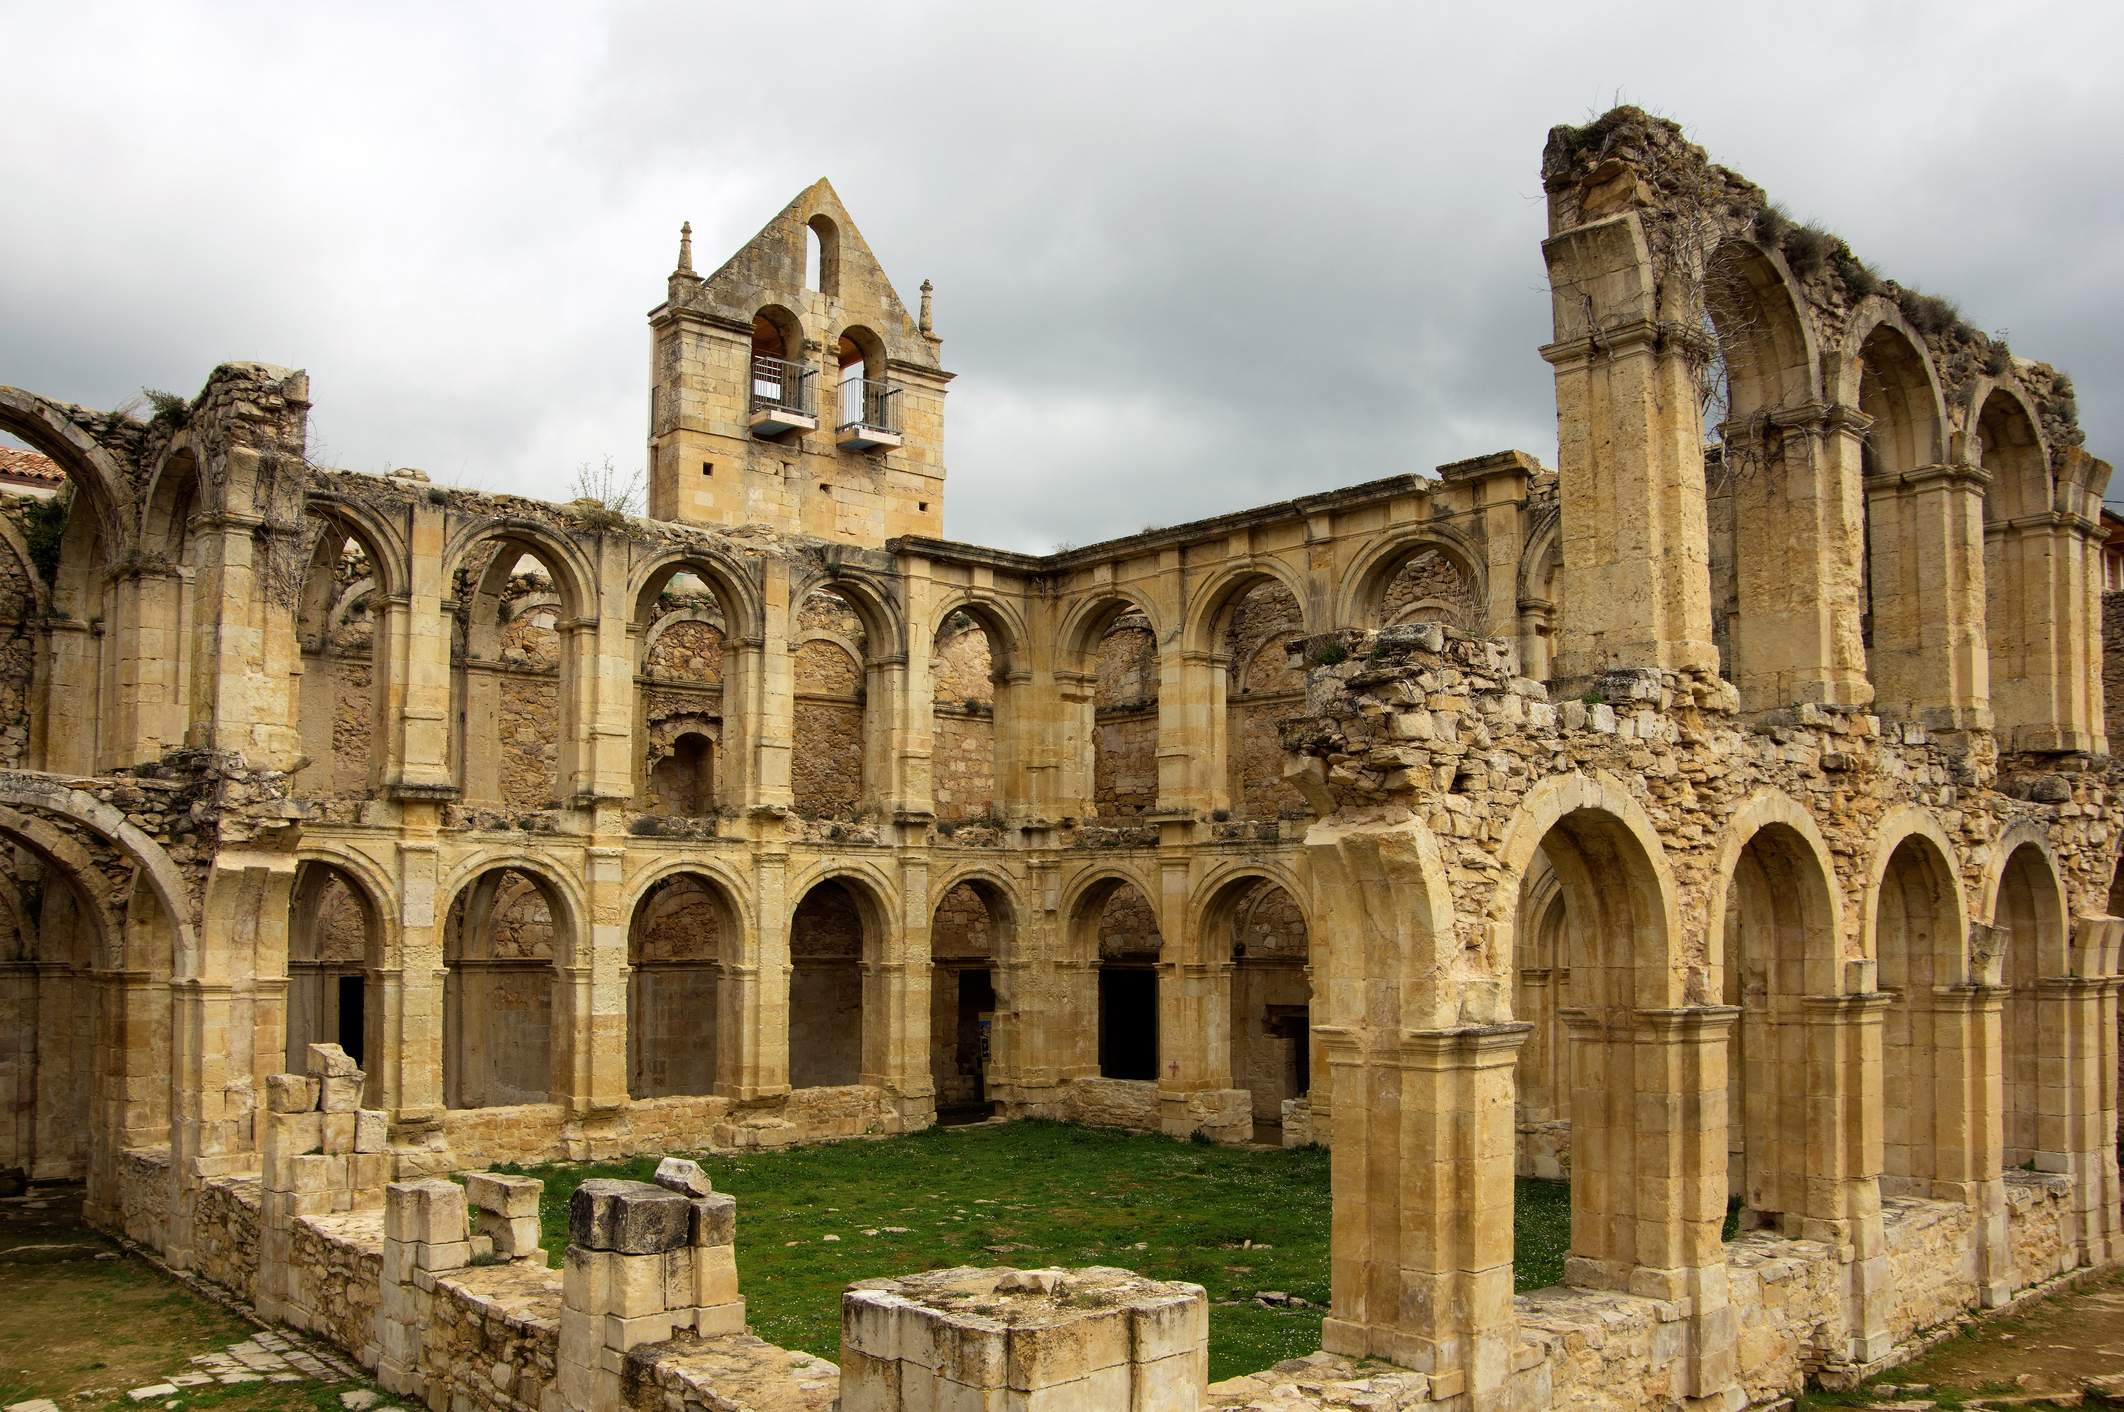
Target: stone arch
point(1363, 598)
point(40, 795)
point(1109, 913)
point(1091, 613)
point(1884, 370)
point(45, 426)
point(1774, 918)
point(1626, 995)
point(821, 256)
point(1212, 603)
point(1009, 638)
point(344, 692)
point(336, 946)
point(979, 672)
point(2026, 904)
point(1918, 930)
point(683, 933)
point(501, 960)
point(16, 547)
point(975, 1018)
point(1752, 304)
point(727, 580)
point(1540, 567)
point(1110, 663)
point(839, 930)
point(535, 758)
point(1256, 921)
point(2021, 615)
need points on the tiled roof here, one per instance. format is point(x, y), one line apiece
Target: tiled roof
point(30, 467)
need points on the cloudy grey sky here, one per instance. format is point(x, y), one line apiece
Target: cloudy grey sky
point(1188, 257)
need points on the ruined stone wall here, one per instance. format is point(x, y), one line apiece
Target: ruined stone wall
point(826, 766)
point(225, 1233)
point(963, 749)
point(1262, 689)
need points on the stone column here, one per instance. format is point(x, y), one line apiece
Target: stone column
point(1074, 721)
point(1422, 1264)
point(413, 1039)
point(67, 708)
point(1188, 757)
point(1926, 562)
point(1969, 1114)
point(1195, 1093)
point(1841, 1155)
point(416, 633)
point(773, 724)
point(590, 1064)
point(1629, 462)
point(896, 1004)
point(759, 989)
point(1796, 635)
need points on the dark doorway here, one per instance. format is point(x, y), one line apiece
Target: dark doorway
point(352, 989)
point(1128, 1022)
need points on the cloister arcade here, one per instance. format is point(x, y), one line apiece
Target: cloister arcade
point(1724, 830)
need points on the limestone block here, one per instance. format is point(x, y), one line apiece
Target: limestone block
point(625, 1334)
point(632, 1218)
point(338, 1131)
point(292, 1134)
point(586, 1279)
point(637, 1287)
point(341, 1093)
point(372, 1130)
point(682, 1176)
point(504, 1196)
point(330, 1061)
point(512, 1237)
point(371, 1171)
point(714, 1220)
point(290, 1093)
point(714, 1276)
point(431, 1210)
point(720, 1319)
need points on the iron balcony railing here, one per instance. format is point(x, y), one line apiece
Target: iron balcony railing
point(781, 386)
point(870, 403)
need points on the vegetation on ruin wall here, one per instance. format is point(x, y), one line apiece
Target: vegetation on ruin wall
point(1028, 1194)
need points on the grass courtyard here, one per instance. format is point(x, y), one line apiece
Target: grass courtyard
point(1237, 1222)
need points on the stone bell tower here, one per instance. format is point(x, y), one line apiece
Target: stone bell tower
point(791, 388)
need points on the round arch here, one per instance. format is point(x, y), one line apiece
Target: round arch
point(1821, 971)
point(44, 425)
point(714, 871)
point(36, 794)
point(735, 593)
point(1361, 598)
point(884, 626)
point(553, 879)
point(574, 577)
point(877, 896)
point(1883, 355)
point(1657, 982)
point(1091, 613)
point(1213, 602)
point(13, 544)
point(389, 558)
point(1753, 304)
point(1909, 824)
point(1078, 893)
point(2006, 438)
point(1008, 636)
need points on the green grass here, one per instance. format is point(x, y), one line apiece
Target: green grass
point(1031, 1194)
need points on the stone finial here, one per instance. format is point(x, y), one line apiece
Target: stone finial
point(928, 323)
point(685, 264)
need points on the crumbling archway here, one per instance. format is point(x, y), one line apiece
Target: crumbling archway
point(682, 936)
point(507, 931)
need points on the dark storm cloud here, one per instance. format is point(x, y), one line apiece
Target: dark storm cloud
point(1188, 258)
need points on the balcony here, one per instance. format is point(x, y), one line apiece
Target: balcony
point(870, 414)
point(782, 397)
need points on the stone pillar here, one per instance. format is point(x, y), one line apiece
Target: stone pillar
point(505, 1217)
point(643, 1262)
point(244, 651)
point(425, 1233)
point(591, 1062)
point(1017, 1340)
point(1969, 1135)
point(773, 700)
point(1422, 1263)
point(1075, 722)
point(2077, 1108)
point(1926, 566)
point(1195, 1093)
point(66, 711)
point(1186, 742)
point(416, 634)
point(1841, 1157)
point(758, 983)
point(150, 609)
point(1796, 635)
point(896, 1004)
point(1629, 462)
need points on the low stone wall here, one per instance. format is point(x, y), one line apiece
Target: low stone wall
point(1112, 1103)
point(225, 1233)
point(491, 1339)
point(1932, 1271)
point(2039, 1226)
point(335, 1275)
point(729, 1373)
point(520, 1132)
point(144, 1195)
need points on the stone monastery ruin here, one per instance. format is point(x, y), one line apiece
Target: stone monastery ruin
point(1726, 811)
